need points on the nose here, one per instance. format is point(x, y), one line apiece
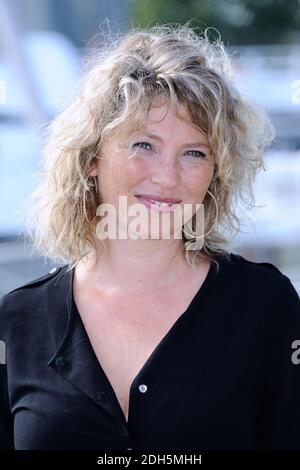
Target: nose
point(165, 173)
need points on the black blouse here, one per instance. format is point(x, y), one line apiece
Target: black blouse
point(225, 375)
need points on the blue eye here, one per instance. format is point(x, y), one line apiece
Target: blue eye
point(193, 153)
point(144, 145)
point(196, 154)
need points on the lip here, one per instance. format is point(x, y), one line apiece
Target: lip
point(168, 200)
point(153, 207)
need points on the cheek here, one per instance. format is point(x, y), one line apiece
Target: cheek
point(198, 181)
point(134, 170)
point(108, 179)
point(119, 176)
point(109, 170)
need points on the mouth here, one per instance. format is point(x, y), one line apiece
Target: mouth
point(158, 203)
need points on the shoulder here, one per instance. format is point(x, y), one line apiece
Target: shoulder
point(39, 281)
point(245, 265)
point(27, 299)
point(261, 285)
point(32, 287)
point(259, 273)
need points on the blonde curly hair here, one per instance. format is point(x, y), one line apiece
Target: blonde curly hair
point(119, 86)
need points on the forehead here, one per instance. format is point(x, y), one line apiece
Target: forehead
point(160, 117)
point(164, 115)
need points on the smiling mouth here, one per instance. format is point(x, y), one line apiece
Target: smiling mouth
point(159, 204)
point(158, 199)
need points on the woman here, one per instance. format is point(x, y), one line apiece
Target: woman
point(151, 342)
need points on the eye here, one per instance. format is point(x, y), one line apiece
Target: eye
point(196, 154)
point(144, 145)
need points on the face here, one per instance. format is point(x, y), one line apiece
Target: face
point(171, 161)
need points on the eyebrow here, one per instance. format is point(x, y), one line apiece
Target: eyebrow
point(191, 144)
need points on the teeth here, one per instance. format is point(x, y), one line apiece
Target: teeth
point(162, 204)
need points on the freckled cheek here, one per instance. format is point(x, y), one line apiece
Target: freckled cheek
point(134, 172)
point(120, 179)
point(109, 181)
point(197, 185)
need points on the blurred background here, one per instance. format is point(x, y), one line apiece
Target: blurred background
point(42, 43)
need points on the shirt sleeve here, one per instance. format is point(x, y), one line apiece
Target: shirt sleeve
point(6, 419)
point(6, 423)
point(279, 417)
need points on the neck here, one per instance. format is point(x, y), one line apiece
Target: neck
point(143, 264)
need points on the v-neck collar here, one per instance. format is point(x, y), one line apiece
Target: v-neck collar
point(76, 361)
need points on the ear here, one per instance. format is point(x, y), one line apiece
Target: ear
point(93, 168)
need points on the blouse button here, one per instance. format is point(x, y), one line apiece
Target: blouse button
point(52, 270)
point(143, 388)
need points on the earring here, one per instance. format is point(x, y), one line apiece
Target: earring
point(96, 185)
point(193, 242)
point(217, 213)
